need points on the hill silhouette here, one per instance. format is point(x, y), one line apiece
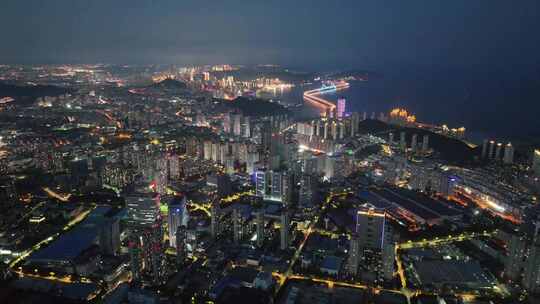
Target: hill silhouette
point(170, 84)
point(256, 107)
point(30, 92)
point(450, 149)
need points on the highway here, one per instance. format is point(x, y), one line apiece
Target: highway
point(313, 96)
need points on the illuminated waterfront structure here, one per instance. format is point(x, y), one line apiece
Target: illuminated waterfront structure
point(325, 105)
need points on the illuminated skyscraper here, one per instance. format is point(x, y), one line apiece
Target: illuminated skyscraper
point(498, 151)
point(536, 162)
point(370, 226)
point(341, 102)
point(508, 154)
point(491, 149)
point(178, 216)
point(354, 254)
point(375, 234)
point(145, 232)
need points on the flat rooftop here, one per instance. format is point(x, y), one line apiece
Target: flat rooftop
point(70, 244)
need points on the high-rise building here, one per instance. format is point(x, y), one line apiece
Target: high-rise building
point(207, 150)
point(425, 144)
point(491, 149)
point(536, 162)
point(308, 190)
point(375, 234)
point(317, 128)
point(215, 152)
point(181, 251)
point(355, 121)
point(227, 122)
point(247, 127)
point(508, 157)
point(370, 226)
point(109, 234)
point(354, 255)
point(498, 151)
point(284, 230)
point(238, 226)
point(260, 183)
point(531, 276)
point(341, 102)
point(517, 249)
point(145, 232)
point(237, 124)
point(178, 216)
point(259, 218)
point(402, 141)
point(215, 219)
point(390, 138)
point(388, 253)
point(334, 130)
point(414, 143)
point(173, 165)
point(326, 130)
point(484, 148)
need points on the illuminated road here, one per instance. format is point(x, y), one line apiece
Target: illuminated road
point(313, 96)
point(282, 278)
point(445, 240)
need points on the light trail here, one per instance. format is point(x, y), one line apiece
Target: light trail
point(445, 239)
point(51, 193)
point(313, 96)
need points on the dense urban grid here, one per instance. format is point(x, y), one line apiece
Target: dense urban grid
point(166, 184)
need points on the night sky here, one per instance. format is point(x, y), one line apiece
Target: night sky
point(331, 33)
point(471, 62)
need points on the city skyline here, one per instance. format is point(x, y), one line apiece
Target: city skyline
point(279, 152)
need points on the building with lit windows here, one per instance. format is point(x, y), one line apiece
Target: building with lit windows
point(178, 216)
point(341, 103)
point(145, 233)
point(536, 162)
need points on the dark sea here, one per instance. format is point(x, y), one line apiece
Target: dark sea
point(494, 104)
